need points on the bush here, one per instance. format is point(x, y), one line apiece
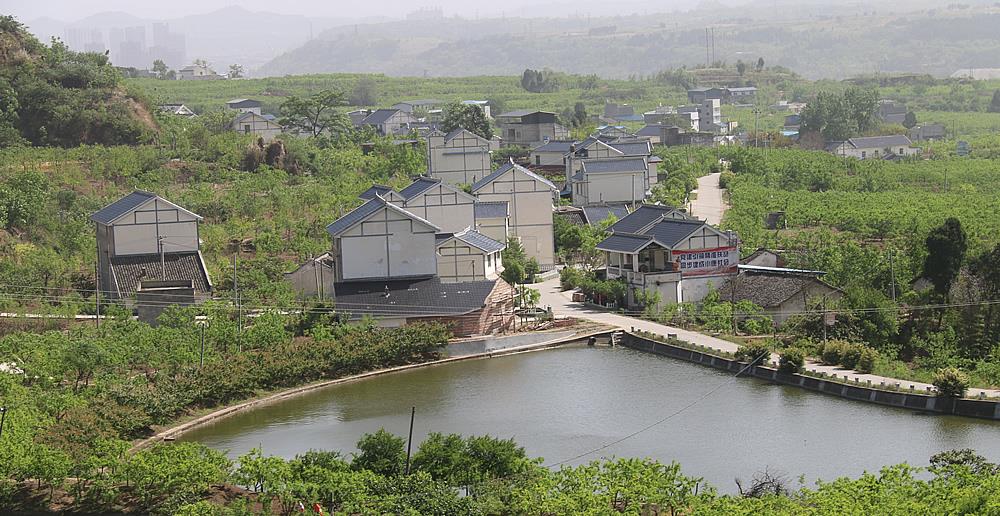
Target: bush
point(791, 360)
point(833, 351)
point(753, 351)
point(951, 382)
point(866, 361)
point(726, 179)
point(850, 355)
point(569, 278)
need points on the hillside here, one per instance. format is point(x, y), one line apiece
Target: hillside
point(816, 42)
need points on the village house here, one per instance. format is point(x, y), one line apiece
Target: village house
point(493, 219)
point(388, 122)
point(891, 112)
point(529, 198)
point(735, 95)
point(468, 256)
point(198, 72)
point(658, 249)
point(699, 95)
point(177, 110)
point(614, 180)
point(245, 106)
point(875, 147)
point(262, 126)
point(551, 153)
point(149, 248)
point(459, 157)
point(442, 204)
point(314, 279)
point(417, 106)
point(926, 132)
point(779, 291)
point(530, 128)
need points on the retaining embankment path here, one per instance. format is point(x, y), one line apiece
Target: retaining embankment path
point(495, 348)
point(985, 409)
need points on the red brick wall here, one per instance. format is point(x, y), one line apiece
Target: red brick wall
point(495, 317)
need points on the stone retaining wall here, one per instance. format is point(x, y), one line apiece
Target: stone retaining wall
point(985, 409)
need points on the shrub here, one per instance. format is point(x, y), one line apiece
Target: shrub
point(866, 361)
point(726, 179)
point(951, 382)
point(569, 278)
point(791, 360)
point(850, 355)
point(753, 351)
point(833, 351)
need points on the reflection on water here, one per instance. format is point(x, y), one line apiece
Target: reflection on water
point(562, 402)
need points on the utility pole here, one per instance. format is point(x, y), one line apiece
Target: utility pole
point(756, 119)
point(97, 292)
point(3, 417)
point(163, 260)
point(201, 362)
point(409, 442)
point(892, 274)
point(824, 320)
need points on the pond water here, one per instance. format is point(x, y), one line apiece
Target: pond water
point(562, 402)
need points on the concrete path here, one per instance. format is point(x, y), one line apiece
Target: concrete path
point(562, 305)
point(709, 204)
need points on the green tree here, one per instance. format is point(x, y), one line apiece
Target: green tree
point(910, 121)
point(946, 246)
point(316, 115)
point(951, 382)
point(791, 360)
point(365, 92)
point(466, 116)
point(443, 457)
point(760, 64)
point(160, 68)
point(381, 452)
point(741, 67)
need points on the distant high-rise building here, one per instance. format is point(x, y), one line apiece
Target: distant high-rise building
point(168, 46)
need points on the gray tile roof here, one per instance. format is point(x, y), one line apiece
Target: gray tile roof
point(492, 209)
point(650, 130)
point(411, 298)
point(767, 290)
point(562, 146)
point(506, 167)
point(522, 112)
point(480, 241)
point(129, 271)
point(607, 166)
point(597, 214)
point(379, 116)
point(113, 211)
point(419, 186)
point(880, 142)
point(622, 243)
point(370, 193)
point(669, 232)
point(643, 216)
point(632, 148)
point(354, 216)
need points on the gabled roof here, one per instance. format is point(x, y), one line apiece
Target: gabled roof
point(364, 211)
point(379, 116)
point(473, 238)
point(624, 243)
point(643, 216)
point(767, 290)
point(419, 186)
point(243, 103)
point(595, 214)
point(613, 165)
point(523, 112)
point(880, 142)
point(492, 209)
point(411, 298)
point(506, 168)
point(375, 190)
point(632, 148)
point(130, 270)
point(420, 102)
point(669, 232)
point(562, 146)
point(114, 211)
point(458, 131)
point(651, 130)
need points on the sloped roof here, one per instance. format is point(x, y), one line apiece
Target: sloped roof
point(507, 167)
point(492, 209)
point(642, 217)
point(523, 112)
point(473, 238)
point(607, 166)
point(632, 148)
point(419, 186)
point(379, 116)
point(114, 211)
point(371, 192)
point(624, 243)
point(457, 131)
point(880, 142)
point(767, 290)
point(596, 214)
point(562, 146)
point(130, 270)
point(411, 298)
point(669, 232)
point(366, 210)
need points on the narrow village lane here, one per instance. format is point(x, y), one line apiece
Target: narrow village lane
point(710, 205)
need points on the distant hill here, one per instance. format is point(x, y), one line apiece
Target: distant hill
point(816, 40)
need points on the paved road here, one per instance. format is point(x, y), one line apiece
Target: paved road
point(709, 206)
point(563, 306)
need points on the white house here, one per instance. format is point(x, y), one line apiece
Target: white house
point(263, 126)
point(379, 241)
point(613, 180)
point(388, 122)
point(493, 219)
point(197, 72)
point(143, 237)
point(529, 197)
point(245, 106)
point(468, 256)
point(442, 204)
point(552, 153)
point(659, 249)
point(876, 147)
point(459, 157)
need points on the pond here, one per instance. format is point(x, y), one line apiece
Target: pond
point(562, 402)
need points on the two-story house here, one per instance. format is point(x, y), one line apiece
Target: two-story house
point(660, 249)
point(614, 180)
point(876, 147)
point(530, 128)
point(444, 205)
point(529, 198)
point(459, 157)
point(468, 256)
point(388, 122)
point(149, 247)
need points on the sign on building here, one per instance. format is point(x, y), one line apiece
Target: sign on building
point(706, 261)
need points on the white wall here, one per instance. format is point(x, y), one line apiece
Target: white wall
point(530, 213)
point(444, 207)
point(462, 160)
point(387, 245)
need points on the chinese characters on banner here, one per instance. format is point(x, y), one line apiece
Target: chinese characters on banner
point(707, 260)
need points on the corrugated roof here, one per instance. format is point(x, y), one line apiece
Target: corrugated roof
point(115, 210)
point(605, 166)
point(129, 271)
point(411, 298)
point(622, 243)
point(506, 167)
point(492, 209)
point(419, 186)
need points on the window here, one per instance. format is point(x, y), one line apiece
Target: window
point(246, 128)
point(902, 151)
point(538, 159)
point(864, 154)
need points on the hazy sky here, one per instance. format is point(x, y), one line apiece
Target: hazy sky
point(72, 10)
